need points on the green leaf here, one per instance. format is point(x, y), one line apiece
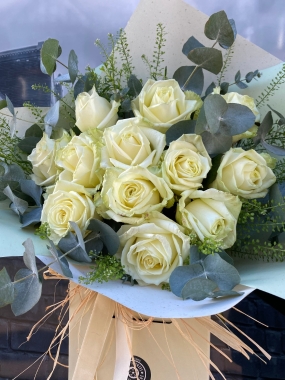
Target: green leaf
point(51, 118)
point(181, 128)
point(34, 131)
point(198, 289)
point(10, 106)
point(134, 85)
point(18, 205)
point(27, 291)
point(62, 261)
point(191, 44)
point(27, 144)
point(264, 128)
point(217, 143)
point(226, 293)
point(29, 256)
point(3, 104)
point(210, 89)
point(237, 76)
point(50, 51)
point(218, 28)
point(273, 149)
point(6, 289)
point(221, 272)
point(30, 188)
point(195, 255)
point(108, 236)
point(72, 66)
point(181, 275)
point(223, 254)
point(195, 83)
point(208, 58)
point(241, 85)
point(282, 118)
point(233, 25)
point(201, 123)
point(68, 243)
point(32, 217)
point(224, 88)
point(215, 106)
point(211, 176)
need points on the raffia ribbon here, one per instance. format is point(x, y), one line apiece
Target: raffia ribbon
point(102, 310)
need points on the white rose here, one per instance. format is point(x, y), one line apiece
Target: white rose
point(81, 159)
point(210, 214)
point(131, 193)
point(68, 202)
point(132, 142)
point(93, 111)
point(244, 100)
point(43, 159)
point(186, 163)
point(244, 173)
point(151, 251)
point(163, 103)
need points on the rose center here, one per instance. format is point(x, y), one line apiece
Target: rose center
point(188, 166)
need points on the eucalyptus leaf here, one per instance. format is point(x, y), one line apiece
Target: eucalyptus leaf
point(233, 25)
point(236, 120)
point(49, 54)
point(32, 217)
point(108, 236)
point(237, 76)
point(217, 143)
point(51, 118)
point(61, 260)
point(181, 128)
point(195, 255)
point(79, 86)
point(198, 289)
point(226, 293)
point(10, 106)
point(93, 243)
point(191, 44)
point(281, 120)
point(201, 123)
point(68, 243)
point(65, 78)
point(264, 128)
point(249, 76)
point(27, 144)
point(223, 254)
point(224, 88)
point(210, 89)
point(29, 256)
point(19, 206)
point(13, 125)
point(219, 28)
point(30, 188)
point(274, 149)
point(211, 176)
point(126, 105)
point(241, 85)
point(134, 85)
point(187, 82)
point(34, 131)
point(218, 270)
point(72, 66)
point(277, 202)
point(208, 58)
point(215, 106)
point(27, 291)
point(181, 275)
point(79, 236)
point(6, 288)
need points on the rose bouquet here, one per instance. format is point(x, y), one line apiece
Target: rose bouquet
point(156, 183)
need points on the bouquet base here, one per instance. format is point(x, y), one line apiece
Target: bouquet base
point(110, 342)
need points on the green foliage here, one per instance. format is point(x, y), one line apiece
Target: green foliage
point(227, 61)
point(106, 268)
point(156, 70)
point(36, 111)
point(122, 48)
point(208, 246)
point(9, 151)
point(273, 86)
point(165, 286)
point(43, 231)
